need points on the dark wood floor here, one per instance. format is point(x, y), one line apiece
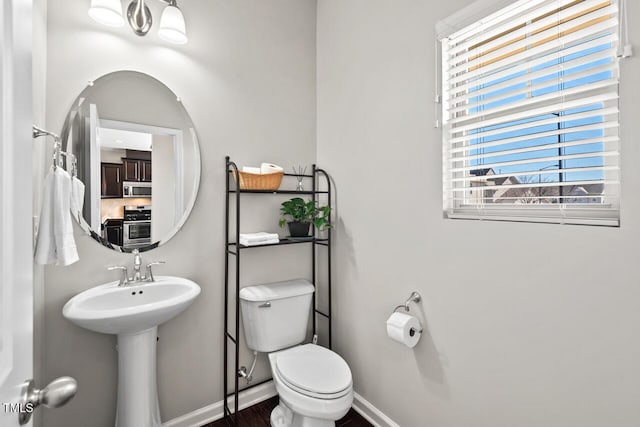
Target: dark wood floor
point(258, 416)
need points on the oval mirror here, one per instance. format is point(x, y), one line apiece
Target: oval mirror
point(137, 155)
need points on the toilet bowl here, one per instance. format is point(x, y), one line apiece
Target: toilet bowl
point(313, 382)
point(314, 385)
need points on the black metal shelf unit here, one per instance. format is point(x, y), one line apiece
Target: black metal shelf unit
point(233, 249)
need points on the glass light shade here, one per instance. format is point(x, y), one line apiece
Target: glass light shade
point(107, 12)
point(172, 26)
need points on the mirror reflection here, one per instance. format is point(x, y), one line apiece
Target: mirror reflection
point(137, 155)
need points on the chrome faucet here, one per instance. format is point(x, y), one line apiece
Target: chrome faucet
point(150, 277)
point(137, 274)
point(124, 278)
point(137, 262)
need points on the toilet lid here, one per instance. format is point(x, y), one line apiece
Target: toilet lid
point(314, 369)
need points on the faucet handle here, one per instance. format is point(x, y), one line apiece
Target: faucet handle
point(125, 276)
point(150, 272)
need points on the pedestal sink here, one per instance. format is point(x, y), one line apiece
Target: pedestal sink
point(133, 312)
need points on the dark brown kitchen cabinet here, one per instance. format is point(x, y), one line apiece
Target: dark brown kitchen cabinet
point(145, 172)
point(111, 180)
point(113, 231)
point(131, 169)
point(137, 170)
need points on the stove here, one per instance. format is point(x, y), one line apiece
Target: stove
point(136, 227)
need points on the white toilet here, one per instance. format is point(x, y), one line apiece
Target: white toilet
point(313, 383)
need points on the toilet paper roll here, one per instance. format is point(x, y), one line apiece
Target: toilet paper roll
point(270, 168)
point(404, 328)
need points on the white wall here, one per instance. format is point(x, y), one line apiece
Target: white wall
point(39, 67)
point(110, 155)
point(164, 187)
point(528, 325)
point(247, 78)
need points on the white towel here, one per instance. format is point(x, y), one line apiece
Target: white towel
point(263, 242)
point(250, 169)
point(77, 197)
point(46, 243)
point(270, 168)
point(55, 244)
point(257, 237)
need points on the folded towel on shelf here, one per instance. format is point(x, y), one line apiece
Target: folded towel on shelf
point(263, 242)
point(250, 169)
point(261, 236)
point(270, 168)
point(263, 169)
point(55, 243)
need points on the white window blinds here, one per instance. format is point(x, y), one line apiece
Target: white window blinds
point(530, 114)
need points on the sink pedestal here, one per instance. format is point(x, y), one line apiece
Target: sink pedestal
point(137, 386)
point(133, 313)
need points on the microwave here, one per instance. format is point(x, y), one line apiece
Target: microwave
point(136, 189)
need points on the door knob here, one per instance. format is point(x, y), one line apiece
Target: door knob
point(57, 393)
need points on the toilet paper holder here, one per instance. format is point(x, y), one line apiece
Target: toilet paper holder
point(415, 297)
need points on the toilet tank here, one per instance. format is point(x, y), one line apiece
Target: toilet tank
point(275, 315)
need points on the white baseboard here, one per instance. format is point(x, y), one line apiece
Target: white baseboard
point(257, 394)
point(371, 413)
point(215, 411)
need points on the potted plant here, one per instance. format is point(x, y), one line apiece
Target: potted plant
point(299, 215)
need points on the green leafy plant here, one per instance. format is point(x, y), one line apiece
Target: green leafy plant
point(298, 210)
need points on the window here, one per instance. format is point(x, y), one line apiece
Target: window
point(530, 114)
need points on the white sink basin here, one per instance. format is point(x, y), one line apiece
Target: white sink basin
point(113, 309)
point(133, 312)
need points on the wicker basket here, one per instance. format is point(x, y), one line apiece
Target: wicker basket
point(256, 181)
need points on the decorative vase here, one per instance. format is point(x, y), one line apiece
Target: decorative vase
point(299, 229)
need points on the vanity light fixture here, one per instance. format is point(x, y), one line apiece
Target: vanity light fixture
point(107, 12)
point(172, 26)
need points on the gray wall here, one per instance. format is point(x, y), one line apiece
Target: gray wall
point(247, 78)
point(528, 325)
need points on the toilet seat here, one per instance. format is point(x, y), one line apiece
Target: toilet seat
point(314, 371)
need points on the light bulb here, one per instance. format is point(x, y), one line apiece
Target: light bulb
point(107, 12)
point(172, 27)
